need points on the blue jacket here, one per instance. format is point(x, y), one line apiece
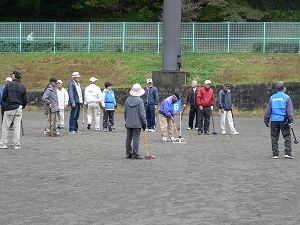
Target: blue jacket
point(73, 95)
point(1, 93)
point(279, 108)
point(109, 100)
point(151, 96)
point(224, 100)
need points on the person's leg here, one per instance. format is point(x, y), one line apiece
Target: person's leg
point(72, 120)
point(223, 117)
point(136, 140)
point(77, 116)
point(7, 119)
point(207, 113)
point(90, 113)
point(17, 125)
point(163, 125)
point(53, 122)
point(170, 127)
point(105, 118)
point(111, 115)
point(152, 117)
point(230, 122)
point(148, 116)
point(286, 133)
point(191, 117)
point(97, 115)
point(200, 120)
point(61, 118)
point(128, 141)
point(275, 129)
point(196, 119)
point(2, 112)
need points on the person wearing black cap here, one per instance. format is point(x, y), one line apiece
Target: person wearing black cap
point(109, 107)
point(281, 112)
point(225, 109)
point(166, 117)
point(50, 98)
point(15, 98)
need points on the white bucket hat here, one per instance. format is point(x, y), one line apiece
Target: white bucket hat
point(93, 79)
point(8, 79)
point(76, 74)
point(137, 90)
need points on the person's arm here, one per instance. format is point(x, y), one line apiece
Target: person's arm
point(66, 98)
point(268, 113)
point(25, 98)
point(212, 103)
point(4, 94)
point(142, 115)
point(199, 96)
point(45, 97)
point(187, 98)
point(156, 98)
point(220, 99)
point(290, 111)
point(71, 93)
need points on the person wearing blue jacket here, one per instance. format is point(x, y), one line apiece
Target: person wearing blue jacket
point(109, 107)
point(281, 112)
point(225, 109)
point(151, 101)
point(76, 97)
point(166, 117)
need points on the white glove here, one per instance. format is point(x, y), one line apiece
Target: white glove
point(212, 108)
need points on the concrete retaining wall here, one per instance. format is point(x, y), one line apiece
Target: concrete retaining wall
point(245, 97)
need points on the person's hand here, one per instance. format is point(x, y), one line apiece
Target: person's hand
point(144, 127)
point(172, 118)
point(184, 105)
point(290, 124)
point(212, 108)
point(73, 105)
point(104, 109)
point(50, 106)
point(65, 107)
point(222, 110)
point(155, 106)
point(267, 124)
point(201, 107)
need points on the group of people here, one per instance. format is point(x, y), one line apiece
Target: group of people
point(201, 100)
point(56, 99)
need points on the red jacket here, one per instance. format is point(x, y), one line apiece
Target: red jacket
point(205, 97)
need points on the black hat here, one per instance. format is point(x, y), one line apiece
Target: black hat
point(17, 74)
point(108, 84)
point(280, 85)
point(227, 84)
point(52, 79)
point(177, 95)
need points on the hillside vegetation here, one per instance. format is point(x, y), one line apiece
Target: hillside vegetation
point(124, 69)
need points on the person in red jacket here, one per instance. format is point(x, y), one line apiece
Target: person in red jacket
point(205, 102)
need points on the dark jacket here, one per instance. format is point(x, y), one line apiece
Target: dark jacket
point(73, 95)
point(134, 112)
point(191, 98)
point(151, 96)
point(14, 95)
point(224, 100)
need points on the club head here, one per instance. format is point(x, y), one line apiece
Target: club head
point(296, 141)
point(214, 133)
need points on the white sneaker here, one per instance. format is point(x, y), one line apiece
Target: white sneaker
point(3, 146)
point(147, 129)
point(152, 130)
point(188, 128)
point(164, 139)
point(196, 128)
point(235, 133)
point(171, 139)
point(97, 129)
point(223, 132)
point(17, 146)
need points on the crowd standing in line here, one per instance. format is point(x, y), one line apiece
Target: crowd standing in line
point(63, 100)
point(109, 108)
point(191, 99)
point(15, 100)
point(151, 101)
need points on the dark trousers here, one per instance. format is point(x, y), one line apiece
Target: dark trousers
point(276, 127)
point(133, 135)
point(193, 113)
point(204, 115)
point(150, 116)
point(108, 119)
point(74, 116)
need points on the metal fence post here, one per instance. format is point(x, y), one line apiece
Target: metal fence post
point(264, 41)
point(20, 39)
point(123, 38)
point(158, 36)
point(228, 37)
point(54, 37)
point(89, 37)
point(193, 41)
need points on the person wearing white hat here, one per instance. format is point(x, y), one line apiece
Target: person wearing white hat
point(92, 98)
point(63, 99)
point(76, 96)
point(7, 80)
point(134, 120)
point(205, 102)
point(151, 101)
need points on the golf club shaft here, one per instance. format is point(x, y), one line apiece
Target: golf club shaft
point(82, 114)
point(22, 127)
point(232, 118)
point(295, 139)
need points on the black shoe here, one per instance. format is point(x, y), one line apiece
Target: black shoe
point(288, 156)
point(136, 156)
point(200, 132)
point(89, 126)
point(129, 156)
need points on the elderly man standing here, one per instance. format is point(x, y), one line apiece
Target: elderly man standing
point(191, 98)
point(76, 96)
point(93, 97)
point(281, 112)
point(225, 108)
point(151, 100)
point(63, 99)
point(15, 98)
point(50, 98)
point(205, 102)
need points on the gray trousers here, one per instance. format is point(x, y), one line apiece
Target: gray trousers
point(275, 131)
point(133, 135)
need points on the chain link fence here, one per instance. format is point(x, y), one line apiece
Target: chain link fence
point(147, 37)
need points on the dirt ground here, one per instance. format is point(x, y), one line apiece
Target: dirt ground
point(85, 178)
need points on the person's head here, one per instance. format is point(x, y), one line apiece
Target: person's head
point(59, 83)
point(281, 86)
point(149, 82)
point(175, 97)
point(53, 81)
point(76, 76)
point(207, 84)
point(194, 84)
point(16, 74)
point(137, 90)
point(227, 86)
point(8, 79)
point(93, 80)
point(108, 85)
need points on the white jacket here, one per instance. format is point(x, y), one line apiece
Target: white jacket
point(93, 93)
point(63, 98)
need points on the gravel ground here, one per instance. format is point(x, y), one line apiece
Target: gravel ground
point(85, 178)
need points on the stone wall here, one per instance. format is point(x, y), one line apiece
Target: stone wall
point(245, 97)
